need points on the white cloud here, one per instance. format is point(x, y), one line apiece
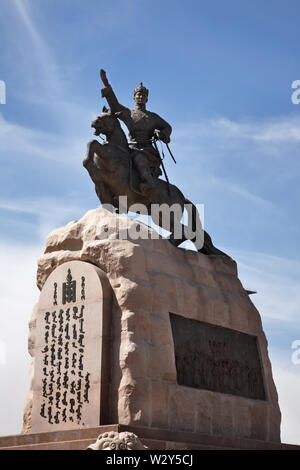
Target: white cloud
point(288, 388)
point(277, 281)
point(51, 212)
point(226, 185)
point(242, 165)
point(19, 141)
point(45, 59)
point(279, 130)
point(50, 90)
point(18, 296)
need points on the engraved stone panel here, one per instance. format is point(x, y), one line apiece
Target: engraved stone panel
point(215, 358)
point(71, 357)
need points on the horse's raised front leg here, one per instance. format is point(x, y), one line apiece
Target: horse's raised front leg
point(92, 147)
point(103, 192)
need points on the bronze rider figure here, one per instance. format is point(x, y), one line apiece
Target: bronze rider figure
point(143, 126)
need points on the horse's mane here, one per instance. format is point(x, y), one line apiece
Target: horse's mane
point(120, 130)
point(108, 112)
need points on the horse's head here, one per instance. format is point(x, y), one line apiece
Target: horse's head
point(104, 123)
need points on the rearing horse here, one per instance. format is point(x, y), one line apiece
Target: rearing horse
point(110, 167)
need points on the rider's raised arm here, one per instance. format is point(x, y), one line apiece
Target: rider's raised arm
point(164, 128)
point(108, 93)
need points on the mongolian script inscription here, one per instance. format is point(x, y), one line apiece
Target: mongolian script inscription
point(65, 380)
point(215, 358)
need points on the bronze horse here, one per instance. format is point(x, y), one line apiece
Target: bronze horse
point(110, 167)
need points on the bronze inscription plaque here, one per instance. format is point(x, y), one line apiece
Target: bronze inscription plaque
point(216, 358)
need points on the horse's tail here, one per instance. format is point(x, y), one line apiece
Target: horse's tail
point(201, 239)
point(195, 230)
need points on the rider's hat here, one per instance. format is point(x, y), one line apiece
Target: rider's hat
point(141, 89)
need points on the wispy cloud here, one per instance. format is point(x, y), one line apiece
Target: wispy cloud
point(273, 130)
point(228, 186)
point(254, 160)
point(277, 281)
point(50, 212)
point(288, 387)
point(43, 55)
point(285, 129)
point(19, 141)
point(18, 296)
point(51, 92)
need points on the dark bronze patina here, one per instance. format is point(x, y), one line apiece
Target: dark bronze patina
point(119, 168)
point(143, 127)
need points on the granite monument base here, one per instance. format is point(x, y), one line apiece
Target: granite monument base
point(161, 340)
point(153, 438)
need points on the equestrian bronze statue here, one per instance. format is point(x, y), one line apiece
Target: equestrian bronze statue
point(132, 169)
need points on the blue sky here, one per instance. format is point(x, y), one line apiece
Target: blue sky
point(221, 74)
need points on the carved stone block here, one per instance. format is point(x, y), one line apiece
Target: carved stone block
point(71, 349)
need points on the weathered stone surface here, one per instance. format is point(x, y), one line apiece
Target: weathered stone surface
point(153, 438)
point(69, 343)
point(222, 416)
point(242, 418)
point(259, 422)
point(159, 404)
point(150, 279)
point(204, 414)
point(181, 409)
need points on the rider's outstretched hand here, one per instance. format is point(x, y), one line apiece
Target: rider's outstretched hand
point(103, 77)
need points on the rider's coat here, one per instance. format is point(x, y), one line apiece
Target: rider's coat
point(141, 125)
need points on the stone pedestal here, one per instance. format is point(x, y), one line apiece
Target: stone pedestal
point(153, 438)
point(185, 346)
